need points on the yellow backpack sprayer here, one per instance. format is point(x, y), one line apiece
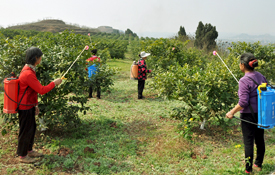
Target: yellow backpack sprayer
point(134, 71)
point(266, 103)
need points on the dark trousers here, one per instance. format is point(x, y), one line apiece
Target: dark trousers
point(252, 133)
point(140, 87)
point(27, 128)
point(98, 90)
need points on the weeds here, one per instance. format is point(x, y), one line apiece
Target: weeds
point(11, 170)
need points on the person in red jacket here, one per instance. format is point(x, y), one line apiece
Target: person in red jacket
point(28, 107)
point(142, 73)
point(96, 87)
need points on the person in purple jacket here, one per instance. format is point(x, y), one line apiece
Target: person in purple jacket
point(248, 107)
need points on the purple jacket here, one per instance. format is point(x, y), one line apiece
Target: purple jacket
point(248, 91)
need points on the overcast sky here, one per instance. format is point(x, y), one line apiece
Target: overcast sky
point(152, 17)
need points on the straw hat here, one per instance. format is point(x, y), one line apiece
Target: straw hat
point(144, 54)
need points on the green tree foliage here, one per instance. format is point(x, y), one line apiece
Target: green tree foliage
point(167, 52)
point(264, 53)
point(206, 88)
point(103, 76)
point(57, 58)
point(115, 43)
point(206, 36)
point(59, 52)
point(10, 33)
point(129, 32)
point(137, 45)
point(201, 81)
point(182, 32)
point(199, 35)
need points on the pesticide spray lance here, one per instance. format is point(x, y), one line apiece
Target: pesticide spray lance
point(216, 53)
point(90, 37)
point(63, 76)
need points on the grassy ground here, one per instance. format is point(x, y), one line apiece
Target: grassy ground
point(124, 135)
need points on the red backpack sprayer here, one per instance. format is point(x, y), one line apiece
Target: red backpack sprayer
point(266, 103)
point(11, 89)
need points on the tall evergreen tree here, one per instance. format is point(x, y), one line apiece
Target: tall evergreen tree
point(206, 36)
point(182, 31)
point(199, 35)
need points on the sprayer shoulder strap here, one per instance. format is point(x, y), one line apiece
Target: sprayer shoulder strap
point(23, 93)
point(253, 80)
point(21, 99)
point(250, 107)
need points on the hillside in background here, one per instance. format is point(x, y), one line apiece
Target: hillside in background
point(54, 25)
point(264, 39)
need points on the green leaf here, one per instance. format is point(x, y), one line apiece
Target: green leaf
point(4, 132)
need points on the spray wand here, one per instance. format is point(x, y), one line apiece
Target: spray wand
point(63, 76)
point(90, 37)
point(216, 53)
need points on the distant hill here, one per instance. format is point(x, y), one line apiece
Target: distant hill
point(264, 39)
point(54, 26)
point(108, 29)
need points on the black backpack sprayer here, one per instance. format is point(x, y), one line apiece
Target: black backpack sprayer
point(11, 90)
point(266, 103)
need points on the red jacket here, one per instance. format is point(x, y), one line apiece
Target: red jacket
point(92, 59)
point(27, 78)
